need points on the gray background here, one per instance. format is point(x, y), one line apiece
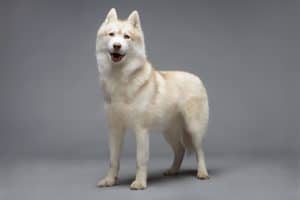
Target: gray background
point(246, 52)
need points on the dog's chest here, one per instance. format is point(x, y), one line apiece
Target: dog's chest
point(114, 92)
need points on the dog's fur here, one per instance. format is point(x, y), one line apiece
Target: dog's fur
point(139, 97)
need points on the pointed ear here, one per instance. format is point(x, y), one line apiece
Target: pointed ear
point(111, 16)
point(134, 19)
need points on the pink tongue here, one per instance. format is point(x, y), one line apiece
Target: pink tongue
point(116, 57)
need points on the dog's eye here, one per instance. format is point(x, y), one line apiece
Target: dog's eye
point(126, 36)
point(111, 34)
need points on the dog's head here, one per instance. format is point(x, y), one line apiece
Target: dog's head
point(119, 40)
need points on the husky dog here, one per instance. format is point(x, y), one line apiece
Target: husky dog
point(141, 98)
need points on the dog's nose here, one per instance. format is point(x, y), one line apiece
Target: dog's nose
point(117, 46)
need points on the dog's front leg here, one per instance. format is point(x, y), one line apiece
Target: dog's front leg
point(142, 157)
point(116, 137)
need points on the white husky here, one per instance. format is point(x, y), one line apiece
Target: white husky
point(140, 98)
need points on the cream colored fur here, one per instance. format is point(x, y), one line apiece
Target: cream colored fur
point(140, 98)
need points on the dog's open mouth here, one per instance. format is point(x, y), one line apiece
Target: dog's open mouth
point(116, 57)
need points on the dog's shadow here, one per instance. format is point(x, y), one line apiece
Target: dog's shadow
point(158, 177)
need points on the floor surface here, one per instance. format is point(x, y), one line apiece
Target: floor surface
point(231, 178)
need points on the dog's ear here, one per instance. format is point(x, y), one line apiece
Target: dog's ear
point(111, 16)
point(134, 19)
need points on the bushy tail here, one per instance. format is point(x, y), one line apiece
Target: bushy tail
point(186, 141)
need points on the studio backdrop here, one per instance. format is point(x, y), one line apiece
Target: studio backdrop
point(246, 53)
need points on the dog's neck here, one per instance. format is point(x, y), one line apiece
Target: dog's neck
point(120, 82)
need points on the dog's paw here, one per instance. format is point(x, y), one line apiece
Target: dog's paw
point(170, 172)
point(138, 185)
point(202, 176)
point(106, 182)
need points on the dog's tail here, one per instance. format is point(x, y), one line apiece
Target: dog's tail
point(186, 141)
point(195, 125)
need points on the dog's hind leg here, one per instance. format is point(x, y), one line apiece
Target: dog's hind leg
point(195, 113)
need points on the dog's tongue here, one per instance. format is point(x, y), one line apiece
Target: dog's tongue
point(116, 57)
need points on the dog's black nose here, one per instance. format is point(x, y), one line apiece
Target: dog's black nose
point(117, 46)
